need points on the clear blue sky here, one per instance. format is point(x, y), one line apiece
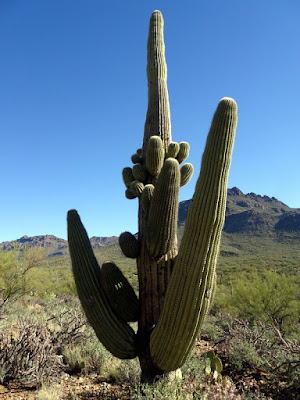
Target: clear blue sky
point(73, 99)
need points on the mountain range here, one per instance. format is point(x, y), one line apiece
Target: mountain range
point(253, 214)
point(246, 214)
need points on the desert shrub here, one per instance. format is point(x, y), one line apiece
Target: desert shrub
point(28, 355)
point(162, 390)
point(194, 368)
point(50, 393)
point(48, 282)
point(86, 355)
point(221, 301)
point(257, 345)
point(244, 355)
point(271, 298)
point(214, 327)
point(191, 389)
point(15, 266)
point(32, 351)
point(121, 371)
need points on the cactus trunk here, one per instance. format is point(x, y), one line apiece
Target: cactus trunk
point(175, 286)
point(153, 274)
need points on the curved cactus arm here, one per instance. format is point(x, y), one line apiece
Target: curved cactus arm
point(127, 175)
point(186, 173)
point(129, 195)
point(184, 151)
point(116, 335)
point(119, 292)
point(163, 213)
point(191, 284)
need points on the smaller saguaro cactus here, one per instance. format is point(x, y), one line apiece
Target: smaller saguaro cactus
point(175, 285)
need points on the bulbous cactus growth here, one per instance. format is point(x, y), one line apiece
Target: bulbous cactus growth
point(175, 287)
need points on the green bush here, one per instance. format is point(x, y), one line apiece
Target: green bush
point(244, 355)
point(48, 282)
point(87, 355)
point(15, 266)
point(269, 297)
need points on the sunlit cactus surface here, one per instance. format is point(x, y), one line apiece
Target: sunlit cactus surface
point(175, 285)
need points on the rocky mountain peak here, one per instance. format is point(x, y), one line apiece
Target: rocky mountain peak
point(234, 192)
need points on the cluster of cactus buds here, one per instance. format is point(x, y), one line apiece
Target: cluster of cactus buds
point(147, 167)
point(155, 178)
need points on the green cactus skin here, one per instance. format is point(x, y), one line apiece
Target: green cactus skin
point(146, 197)
point(190, 287)
point(186, 173)
point(175, 287)
point(214, 290)
point(173, 149)
point(183, 152)
point(127, 176)
point(155, 155)
point(136, 159)
point(213, 362)
point(115, 334)
point(119, 293)
point(216, 365)
point(129, 245)
point(136, 188)
point(158, 120)
point(129, 195)
point(163, 214)
point(139, 173)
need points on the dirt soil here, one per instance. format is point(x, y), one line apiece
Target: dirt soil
point(74, 387)
point(96, 387)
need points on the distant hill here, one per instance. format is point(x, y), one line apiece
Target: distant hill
point(52, 245)
point(253, 214)
point(246, 214)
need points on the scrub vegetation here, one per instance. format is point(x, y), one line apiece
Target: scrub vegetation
point(46, 343)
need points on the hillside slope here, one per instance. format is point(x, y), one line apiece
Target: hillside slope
point(252, 213)
point(247, 215)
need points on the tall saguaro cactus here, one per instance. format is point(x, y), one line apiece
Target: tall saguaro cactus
point(175, 287)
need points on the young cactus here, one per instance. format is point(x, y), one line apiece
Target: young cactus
point(213, 364)
point(175, 286)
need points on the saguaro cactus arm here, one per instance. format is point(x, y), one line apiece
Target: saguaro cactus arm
point(190, 287)
point(116, 335)
point(119, 292)
point(163, 213)
point(186, 173)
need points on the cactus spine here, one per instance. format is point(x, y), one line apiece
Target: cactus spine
point(175, 287)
